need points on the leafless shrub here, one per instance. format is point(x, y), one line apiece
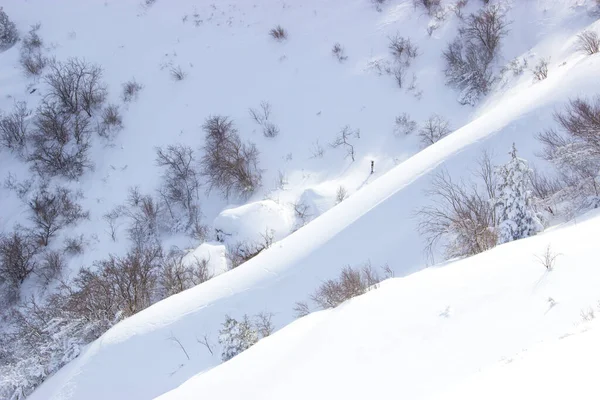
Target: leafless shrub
point(241, 252)
point(301, 309)
point(14, 129)
point(575, 150)
point(53, 210)
point(146, 217)
point(543, 186)
point(112, 219)
point(74, 245)
point(278, 33)
point(21, 188)
point(133, 278)
point(229, 164)
point(76, 86)
point(33, 63)
point(460, 214)
point(8, 32)
point(263, 324)
point(341, 195)
point(111, 121)
point(351, 283)
point(540, 71)
point(588, 42)
point(130, 90)
point(261, 117)
point(402, 49)
point(51, 266)
point(60, 142)
point(517, 66)
point(548, 258)
point(469, 58)
point(434, 129)
point(339, 52)
point(180, 185)
point(316, 150)
point(32, 60)
point(404, 125)
point(177, 73)
point(176, 275)
point(302, 213)
point(18, 253)
point(343, 139)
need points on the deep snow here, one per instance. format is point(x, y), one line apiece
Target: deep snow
point(232, 65)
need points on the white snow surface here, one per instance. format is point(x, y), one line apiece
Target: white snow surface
point(416, 336)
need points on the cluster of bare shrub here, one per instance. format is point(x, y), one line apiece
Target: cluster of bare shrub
point(351, 282)
point(471, 55)
point(50, 334)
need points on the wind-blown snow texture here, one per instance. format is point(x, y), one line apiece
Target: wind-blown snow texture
point(430, 329)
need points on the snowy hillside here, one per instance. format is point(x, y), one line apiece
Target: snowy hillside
point(320, 206)
point(491, 326)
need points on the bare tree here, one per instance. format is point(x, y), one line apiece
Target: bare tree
point(76, 85)
point(51, 266)
point(32, 60)
point(146, 218)
point(241, 252)
point(588, 42)
point(8, 32)
point(51, 211)
point(469, 58)
point(14, 129)
point(402, 49)
point(18, 253)
point(229, 164)
point(111, 122)
point(459, 214)
point(181, 183)
point(60, 142)
point(341, 195)
point(575, 150)
point(176, 275)
point(343, 140)
point(434, 129)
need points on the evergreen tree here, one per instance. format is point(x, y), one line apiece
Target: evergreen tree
point(8, 31)
point(236, 336)
point(516, 218)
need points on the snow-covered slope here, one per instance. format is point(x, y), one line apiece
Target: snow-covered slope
point(232, 64)
point(490, 326)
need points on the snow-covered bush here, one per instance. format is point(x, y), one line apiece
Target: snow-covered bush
point(470, 56)
point(540, 70)
point(8, 31)
point(352, 282)
point(228, 164)
point(461, 215)
point(76, 86)
point(431, 6)
point(237, 336)
point(515, 215)
point(435, 128)
point(53, 210)
point(241, 252)
point(60, 142)
point(14, 129)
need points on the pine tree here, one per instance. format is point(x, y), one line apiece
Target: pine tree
point(236, 336)
point(516, 218)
